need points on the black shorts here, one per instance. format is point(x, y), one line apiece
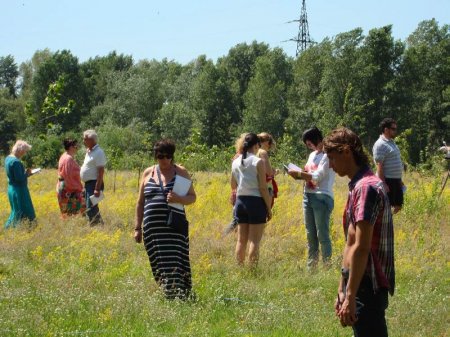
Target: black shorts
point(395, 193)
point(250, 209)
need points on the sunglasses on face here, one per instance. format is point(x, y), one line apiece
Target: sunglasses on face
point(164, 155)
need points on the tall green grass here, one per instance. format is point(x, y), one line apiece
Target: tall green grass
point(63, 278)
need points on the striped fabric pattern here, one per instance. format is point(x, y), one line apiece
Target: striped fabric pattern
point(167, 250)
point(368, 201)
point(387, 152)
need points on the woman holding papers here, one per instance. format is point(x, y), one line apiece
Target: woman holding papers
point(18, 193)
point(318, 202)
point(167, 245)
point(69, 189)
point(252, 208)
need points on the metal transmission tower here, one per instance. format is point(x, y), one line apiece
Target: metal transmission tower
point(303, 40)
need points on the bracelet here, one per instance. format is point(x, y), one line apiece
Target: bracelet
point(138, 229)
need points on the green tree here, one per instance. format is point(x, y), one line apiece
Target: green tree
point(133, 94)
point(9, 108)
point(238, 67)
point(61, 69)
point(96, 72)
point(175, 121)
point(266, 97)
point(424, 86)
point(304, 92)
point(9, 74)
point(211, 100)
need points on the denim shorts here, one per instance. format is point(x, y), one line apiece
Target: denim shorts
point(250, 209)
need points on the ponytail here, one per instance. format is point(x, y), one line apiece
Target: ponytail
point(244, 152)
point(250, 140)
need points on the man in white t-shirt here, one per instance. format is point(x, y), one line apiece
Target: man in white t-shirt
point(92, 174)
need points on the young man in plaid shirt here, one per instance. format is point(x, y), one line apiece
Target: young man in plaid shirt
point(368, 261)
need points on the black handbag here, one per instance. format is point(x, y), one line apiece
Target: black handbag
point(176, 219)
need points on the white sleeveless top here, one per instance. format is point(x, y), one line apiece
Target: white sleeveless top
point(246, 175)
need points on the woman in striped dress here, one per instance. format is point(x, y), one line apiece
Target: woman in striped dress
point(167, 247)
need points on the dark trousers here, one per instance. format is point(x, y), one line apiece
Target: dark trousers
point(93, 212)
point(371, 318)
point(395, 193)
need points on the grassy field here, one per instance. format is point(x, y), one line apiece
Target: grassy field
point(63, 278)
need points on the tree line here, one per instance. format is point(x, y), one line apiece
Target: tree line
point(352, 80)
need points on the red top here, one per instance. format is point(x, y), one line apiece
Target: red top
point(69, 170)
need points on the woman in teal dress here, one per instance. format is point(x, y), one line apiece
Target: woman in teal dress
point(18, 193)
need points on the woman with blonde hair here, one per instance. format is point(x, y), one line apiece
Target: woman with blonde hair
point(239, 146)
point(252, 208)
point(18, 193)
point(266, 144)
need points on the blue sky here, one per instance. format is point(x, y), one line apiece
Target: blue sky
point(183, 30)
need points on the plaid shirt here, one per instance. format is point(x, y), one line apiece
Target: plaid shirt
point(368, 201)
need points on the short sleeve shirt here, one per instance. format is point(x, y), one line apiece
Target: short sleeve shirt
point(94, 159)
point(387, 152)
point(368, 201)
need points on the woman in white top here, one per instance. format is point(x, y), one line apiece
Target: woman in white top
point(318, 202)
point(252, 208)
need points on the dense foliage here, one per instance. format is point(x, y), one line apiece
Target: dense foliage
point(353, 80)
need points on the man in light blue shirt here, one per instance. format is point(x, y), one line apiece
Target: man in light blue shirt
point(389, 164)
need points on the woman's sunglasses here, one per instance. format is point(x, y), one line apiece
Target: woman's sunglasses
point(162, 156)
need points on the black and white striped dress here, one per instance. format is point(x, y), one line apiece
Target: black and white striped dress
point(167, 250)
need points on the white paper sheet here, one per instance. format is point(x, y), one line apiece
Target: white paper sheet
point(294, 167)
point(180, 187)
point(95, 200)
point(36, 170)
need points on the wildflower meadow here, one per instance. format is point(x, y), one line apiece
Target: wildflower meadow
point(64, 278)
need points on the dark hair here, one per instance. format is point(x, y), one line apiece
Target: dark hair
point(313, 135)
point(386, 123)
point(68, 142)
point(164, 146)
point(343, 138)
point(250, 140)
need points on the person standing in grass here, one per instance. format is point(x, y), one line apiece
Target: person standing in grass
point(239, 146)
point(318, 199)
point(267, 144)
point(69, 188)
point(167, 245)
point(18, 193)
point(91, 174)
point(368, 273)
point(252, 208)
point(389, 163)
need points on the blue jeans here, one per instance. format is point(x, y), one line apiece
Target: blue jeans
point(317, 210)
point(93, 212)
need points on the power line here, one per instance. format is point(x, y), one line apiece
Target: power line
point(303, 40)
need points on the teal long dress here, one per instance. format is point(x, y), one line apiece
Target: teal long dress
point(18, 193)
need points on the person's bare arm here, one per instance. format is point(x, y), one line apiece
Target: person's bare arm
point(380, 171)
point(265, 158)
point(263, 188)
point(99, 183)
point(190, 197)
point(140, 206)
point(356, 259)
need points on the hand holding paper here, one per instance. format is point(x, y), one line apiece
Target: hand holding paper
point(293, 170)
point(36, 170)
point(180, 188)
point(95, 200)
